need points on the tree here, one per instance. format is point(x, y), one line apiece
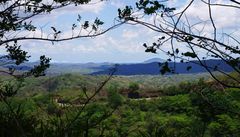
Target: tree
point(114, 98)
point(133, 87)
point(186, 35)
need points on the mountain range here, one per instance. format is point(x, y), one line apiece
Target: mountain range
point(148, 67)
point(153, 68)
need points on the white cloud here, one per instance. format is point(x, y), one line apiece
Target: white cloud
point(117, 3)
point(94, 7)
point(117, 45)
point(224, 17)
point(129, 34)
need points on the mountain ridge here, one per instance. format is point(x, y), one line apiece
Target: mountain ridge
point(155, 67)
point(148, 67)
point(154, 60)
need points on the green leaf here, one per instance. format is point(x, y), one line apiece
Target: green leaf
point(86, 24)
point(177, 51)
point(190, 54)
point(165, 68)
point(54, 29)
point(189, 67)
point(98, 22)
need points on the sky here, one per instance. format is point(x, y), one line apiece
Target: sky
point(120, 45)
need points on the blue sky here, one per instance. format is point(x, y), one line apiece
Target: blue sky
point(121, 45)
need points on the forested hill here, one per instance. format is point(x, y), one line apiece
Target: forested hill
point(153, 68)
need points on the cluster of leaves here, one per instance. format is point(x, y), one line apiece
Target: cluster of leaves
point(149, 7)
point(16, 54)
point(13, 61)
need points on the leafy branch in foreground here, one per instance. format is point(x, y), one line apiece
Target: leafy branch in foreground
point(11, 66)
point(18, 19)
point(186, 36)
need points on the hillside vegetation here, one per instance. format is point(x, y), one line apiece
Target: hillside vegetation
point(139, 106)
point(74, 82)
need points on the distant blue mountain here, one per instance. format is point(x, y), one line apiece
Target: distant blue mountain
point(145, 68)
point(154, 68)
point(5, 62)
point(60, 68)
point(154, 60)
point(21, 67)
